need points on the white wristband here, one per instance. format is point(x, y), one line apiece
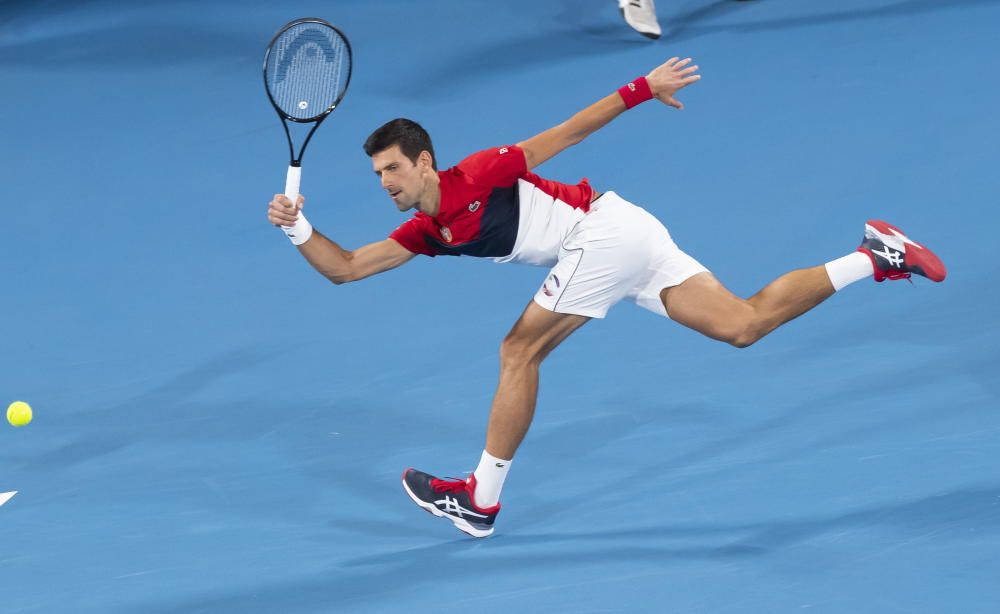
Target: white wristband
point(299, 232)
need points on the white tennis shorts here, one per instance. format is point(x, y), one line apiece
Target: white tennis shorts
point(617, 251)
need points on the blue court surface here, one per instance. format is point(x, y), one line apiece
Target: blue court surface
point(218, 429)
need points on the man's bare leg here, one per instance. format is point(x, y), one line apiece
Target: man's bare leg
point(472, 505)
point(537, 332)
point(705, 305)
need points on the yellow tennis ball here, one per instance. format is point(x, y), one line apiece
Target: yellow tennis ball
point(19, 413)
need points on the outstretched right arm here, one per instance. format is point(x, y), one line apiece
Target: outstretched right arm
point(331, 260)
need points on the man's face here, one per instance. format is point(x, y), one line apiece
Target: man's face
point(400, 177)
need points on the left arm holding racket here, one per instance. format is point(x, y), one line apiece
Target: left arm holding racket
point(662, 83)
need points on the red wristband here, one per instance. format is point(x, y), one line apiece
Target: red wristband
point(635, 92)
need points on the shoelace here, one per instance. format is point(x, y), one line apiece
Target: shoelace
point(449, 485)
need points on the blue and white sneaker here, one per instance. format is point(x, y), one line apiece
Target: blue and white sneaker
point(451, 499)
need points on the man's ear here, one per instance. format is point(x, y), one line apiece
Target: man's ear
point(425, 160)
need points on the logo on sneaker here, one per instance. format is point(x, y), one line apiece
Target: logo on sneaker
point(450, 505)
point(895, 259)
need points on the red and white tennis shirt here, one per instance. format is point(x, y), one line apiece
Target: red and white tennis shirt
point(493, 207)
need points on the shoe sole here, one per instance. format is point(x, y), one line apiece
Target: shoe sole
point(460, 523)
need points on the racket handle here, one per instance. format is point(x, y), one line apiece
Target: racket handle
point(301, 230)
point(292, 182)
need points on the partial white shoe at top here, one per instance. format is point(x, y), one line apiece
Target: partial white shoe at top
point(641, 15)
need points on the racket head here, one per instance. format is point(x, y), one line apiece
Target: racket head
point(307, 68)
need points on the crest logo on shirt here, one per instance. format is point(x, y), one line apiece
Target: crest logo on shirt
point(474, 206)
point(446, 234)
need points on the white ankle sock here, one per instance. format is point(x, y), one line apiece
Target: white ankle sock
point(849, 269)
point(490, 474)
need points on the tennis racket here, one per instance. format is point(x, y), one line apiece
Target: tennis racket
point(307, 68)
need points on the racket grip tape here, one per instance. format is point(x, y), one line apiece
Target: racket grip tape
point(301, 230)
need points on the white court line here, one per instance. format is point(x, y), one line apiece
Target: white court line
point(6, 496)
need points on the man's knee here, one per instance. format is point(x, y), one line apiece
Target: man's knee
point(517, 352)
point(535, 335)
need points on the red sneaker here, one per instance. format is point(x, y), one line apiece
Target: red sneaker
point(896, 256)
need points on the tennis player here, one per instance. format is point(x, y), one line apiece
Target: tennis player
point(600, 248)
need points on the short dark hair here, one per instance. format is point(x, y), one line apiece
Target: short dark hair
point(408, 134)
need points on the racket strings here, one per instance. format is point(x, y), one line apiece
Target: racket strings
point(308, 69)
